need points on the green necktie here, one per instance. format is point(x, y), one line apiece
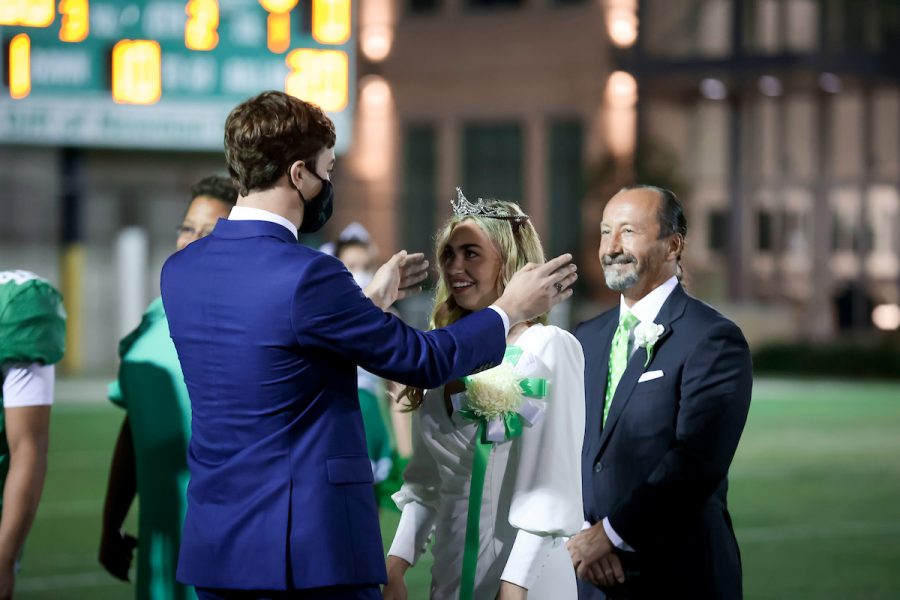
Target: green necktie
point(618, 358)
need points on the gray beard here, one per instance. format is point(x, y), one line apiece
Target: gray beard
point(620, 282)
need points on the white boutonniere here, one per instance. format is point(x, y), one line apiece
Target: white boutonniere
point(646, 335)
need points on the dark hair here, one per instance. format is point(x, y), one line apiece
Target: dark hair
point(266, 134)
point(342, 245)
point(671, 212)
point(670, 215)
point(216, 187)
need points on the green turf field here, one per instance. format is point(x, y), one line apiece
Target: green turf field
point(815, 496)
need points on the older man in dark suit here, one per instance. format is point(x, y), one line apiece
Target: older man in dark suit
point(668, 383)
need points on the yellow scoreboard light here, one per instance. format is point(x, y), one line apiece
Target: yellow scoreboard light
point(20, 66)
point(201, 27)
point(75, 20)
point(331, 21)
point(318, 76)
point(136, 72)
point(279, 23)
point(27, 13)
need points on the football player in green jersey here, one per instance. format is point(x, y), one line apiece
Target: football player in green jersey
point(32, 340)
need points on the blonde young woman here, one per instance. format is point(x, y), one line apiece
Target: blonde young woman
point(495, 470)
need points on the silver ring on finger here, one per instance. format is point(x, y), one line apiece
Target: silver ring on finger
point(559, 287)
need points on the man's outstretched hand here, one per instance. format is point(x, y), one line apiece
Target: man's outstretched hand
point(397, 279)
point(535, 289)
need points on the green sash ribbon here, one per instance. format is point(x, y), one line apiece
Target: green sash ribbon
point(488, 435)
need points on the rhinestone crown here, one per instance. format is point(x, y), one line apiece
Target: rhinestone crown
point(463, 208)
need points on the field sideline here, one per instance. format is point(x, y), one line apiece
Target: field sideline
point(815, 496)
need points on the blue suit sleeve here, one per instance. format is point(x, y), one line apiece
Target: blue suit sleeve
point(330, 312)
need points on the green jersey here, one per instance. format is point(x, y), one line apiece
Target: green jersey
point(32, 320)
point(151, 388)
point(32, 330)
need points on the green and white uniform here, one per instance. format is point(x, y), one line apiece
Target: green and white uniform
point(378, 441)
point(32, 340)
point(151, 389)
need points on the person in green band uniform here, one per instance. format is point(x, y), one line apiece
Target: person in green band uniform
point(150, 454)
point(32, 340)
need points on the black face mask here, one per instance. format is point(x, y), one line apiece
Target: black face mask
point(317, 210)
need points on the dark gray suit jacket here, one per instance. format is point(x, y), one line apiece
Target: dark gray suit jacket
point(658, 469)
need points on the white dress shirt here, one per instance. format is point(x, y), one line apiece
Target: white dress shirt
point(247, 213)
point(646, 309)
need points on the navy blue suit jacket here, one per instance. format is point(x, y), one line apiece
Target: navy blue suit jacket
point(658, 469)
point(269, 333)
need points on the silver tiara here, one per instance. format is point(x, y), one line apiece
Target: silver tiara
point(463, 208)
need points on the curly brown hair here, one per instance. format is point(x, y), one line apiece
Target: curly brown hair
point(266, 134)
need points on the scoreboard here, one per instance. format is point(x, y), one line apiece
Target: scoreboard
point(163, 74)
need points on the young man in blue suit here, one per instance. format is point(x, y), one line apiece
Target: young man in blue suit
point(269, 333)
point(668, 389)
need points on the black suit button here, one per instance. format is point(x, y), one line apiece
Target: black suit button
point(598, 467)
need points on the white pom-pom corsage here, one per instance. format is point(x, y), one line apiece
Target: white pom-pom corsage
point(495, 392)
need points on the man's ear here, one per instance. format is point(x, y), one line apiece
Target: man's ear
point(675, 246)
point(295, 173)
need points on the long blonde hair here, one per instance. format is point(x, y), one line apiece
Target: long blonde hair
point(518, 244)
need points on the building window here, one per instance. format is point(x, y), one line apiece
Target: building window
point(687, 28)
point(492, 161)
point(419, 184)
point(775, 26)
point(765, 230)
point(491, 4)
point(565, 182)
point(866, 26)
point(845, 233)
point(797, 226)
point(884, 217)
point(417, 7)
point(717, 233)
